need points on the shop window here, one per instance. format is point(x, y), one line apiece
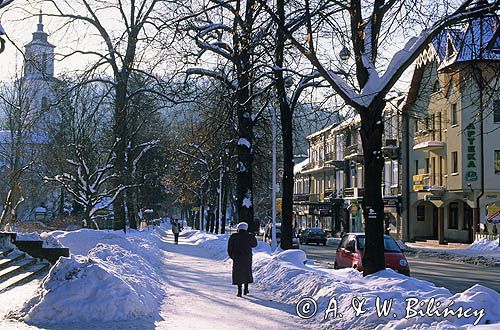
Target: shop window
point(421, 213)
point(453, 216)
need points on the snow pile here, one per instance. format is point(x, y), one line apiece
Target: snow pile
point(216, 244)
point(110, 276)
point(485, 245)
point(293, 281)
point(48, 240)
point(109, 284)
point(285, 274)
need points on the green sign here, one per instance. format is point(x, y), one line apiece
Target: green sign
point(470, 133)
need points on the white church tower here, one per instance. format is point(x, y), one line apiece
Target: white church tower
point(39, 68)
point(39, 53)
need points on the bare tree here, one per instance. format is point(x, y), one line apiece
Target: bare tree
point(20, 143)
point(126, 47)
point(370, 26)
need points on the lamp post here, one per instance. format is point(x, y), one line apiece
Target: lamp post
point(273, 235)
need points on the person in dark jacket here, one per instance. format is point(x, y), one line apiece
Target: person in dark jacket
point(239, 248)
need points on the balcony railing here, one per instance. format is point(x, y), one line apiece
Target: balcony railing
point(391, 148)
point(300, 197)
point(354, 192)
point(428, 140)
point(423, 182)
point(354, 152)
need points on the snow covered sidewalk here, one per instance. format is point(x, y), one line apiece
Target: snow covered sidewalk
point(200, 294)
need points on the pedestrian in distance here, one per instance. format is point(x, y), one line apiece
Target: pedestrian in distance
point(239, 249)
point(176, 228)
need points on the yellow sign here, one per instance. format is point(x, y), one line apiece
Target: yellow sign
point(419, 177)
point(195, 209)
point(418, 187)
point(279, 203)
point(493, 215)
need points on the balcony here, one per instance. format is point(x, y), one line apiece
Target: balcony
point(427, 140)
point(354, 152)
point(391, 148)
point(300, 197)
point(354, 192)
point(332, 161)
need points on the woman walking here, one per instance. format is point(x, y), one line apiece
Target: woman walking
point(239, 248)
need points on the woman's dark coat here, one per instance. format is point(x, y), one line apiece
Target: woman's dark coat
point(239, 249)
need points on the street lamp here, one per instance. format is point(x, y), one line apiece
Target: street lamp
point(3, 3)
point(344, 54)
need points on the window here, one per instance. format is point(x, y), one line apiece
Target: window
point(416, 166)
point(427, 166)
point(497, 161)
point(454, 160)
point(421, 213)
point(433, 167)
point(453, 216)
point(496, 111)
point(454, 114)
point(436, 87)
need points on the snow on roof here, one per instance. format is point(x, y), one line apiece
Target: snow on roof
point(326, 129)
point(461, 45)
point(297, 168)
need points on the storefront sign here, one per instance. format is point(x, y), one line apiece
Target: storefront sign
point(470, 132)
point(493, 214)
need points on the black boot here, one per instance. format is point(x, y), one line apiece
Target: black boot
point(246, 289)
point(239, 290)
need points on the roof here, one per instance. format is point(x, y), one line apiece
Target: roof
point(326, 129)
point(464, 44)
point(297, 168)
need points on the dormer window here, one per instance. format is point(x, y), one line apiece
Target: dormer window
point(450, 49)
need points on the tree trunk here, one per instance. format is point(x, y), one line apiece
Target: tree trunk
point(120, 134)
point(371, 132)
point(287, 134)
point(224, 207)
point(244, 178)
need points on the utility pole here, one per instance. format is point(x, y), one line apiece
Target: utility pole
point(273, 235)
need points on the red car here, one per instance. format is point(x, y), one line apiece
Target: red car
point(351, 249)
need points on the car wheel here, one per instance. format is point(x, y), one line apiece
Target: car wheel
point(324, 243)
point(335, 265)
point(317, 243)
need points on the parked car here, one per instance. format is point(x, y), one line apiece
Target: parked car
point(267, 237)
point(313, 235)
point(351, 249)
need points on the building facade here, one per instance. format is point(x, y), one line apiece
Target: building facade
point(329, 185)
point(453, 134)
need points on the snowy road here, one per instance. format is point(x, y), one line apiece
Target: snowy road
point(200, 296)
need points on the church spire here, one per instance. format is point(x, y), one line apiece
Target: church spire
point(40, 23)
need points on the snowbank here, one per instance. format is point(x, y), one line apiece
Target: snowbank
point(484, 244)
point(110, 276)
point(285, 274)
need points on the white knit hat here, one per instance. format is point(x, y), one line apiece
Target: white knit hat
point(242, 226)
